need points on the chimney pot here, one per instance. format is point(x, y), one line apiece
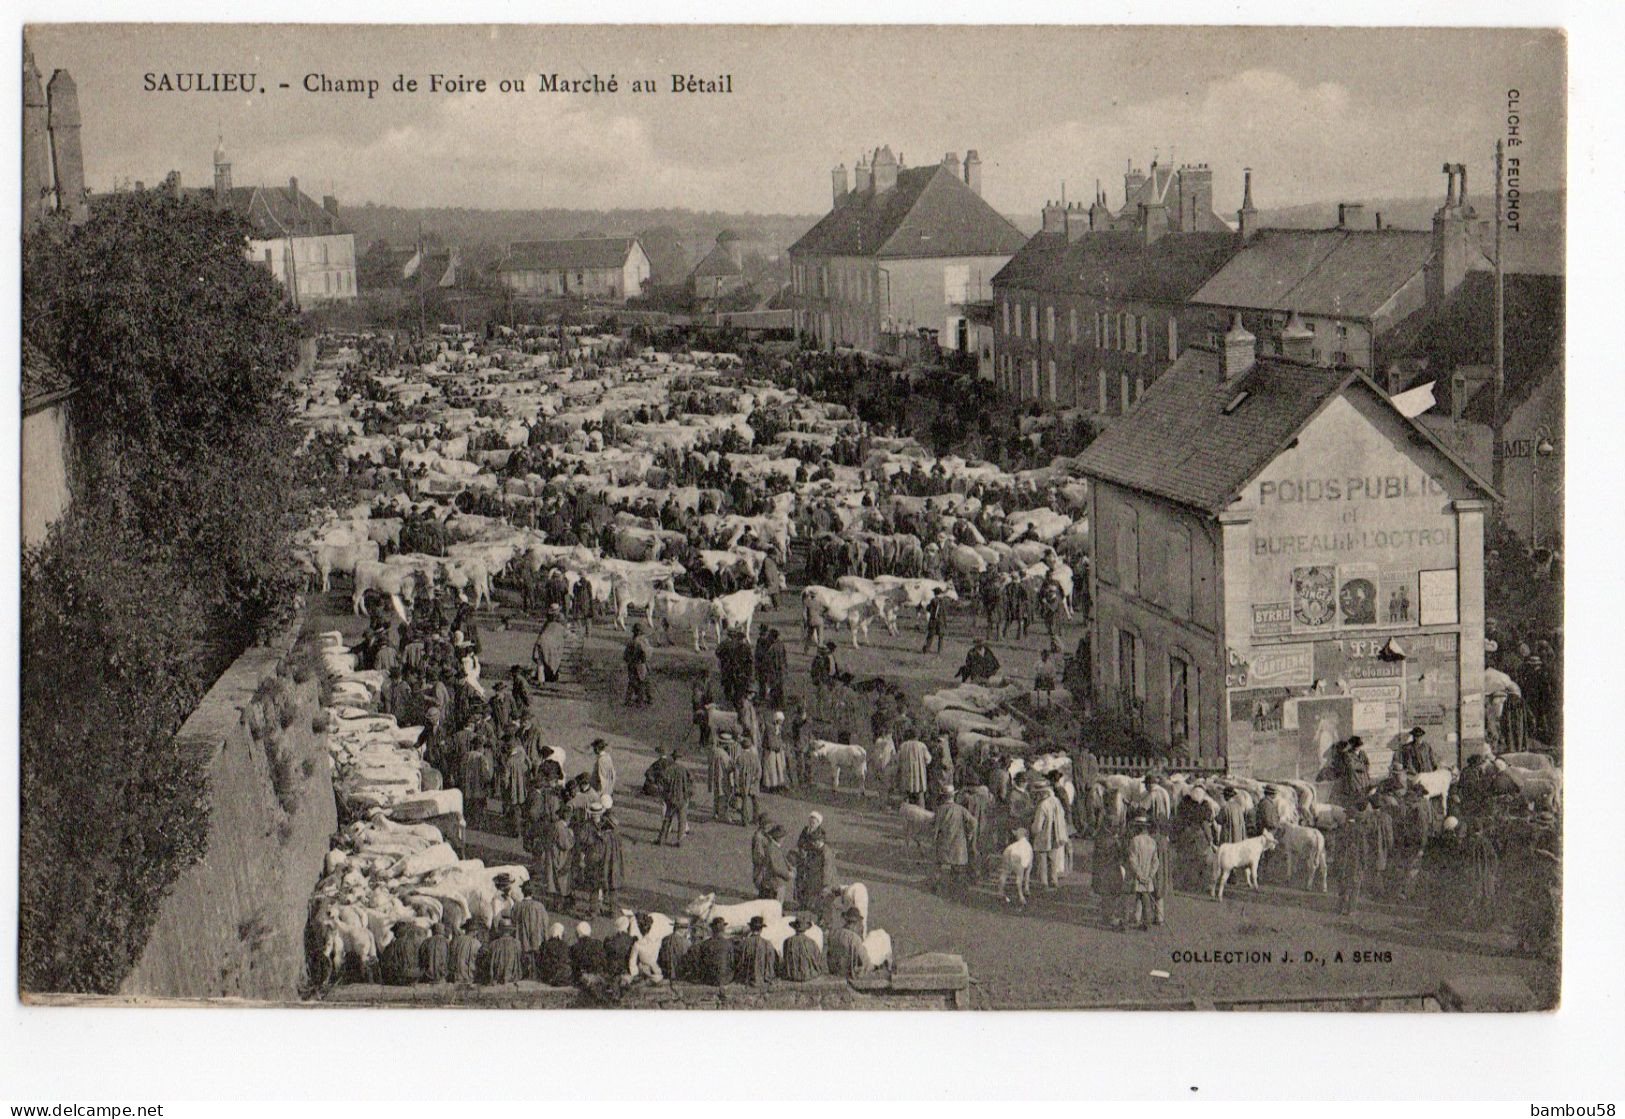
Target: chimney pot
point(1348, 214)
point(293, 185)
point(973, 170)
point(1240, 349)
point(1297, 340)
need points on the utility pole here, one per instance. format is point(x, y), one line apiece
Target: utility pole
point(1497, 456)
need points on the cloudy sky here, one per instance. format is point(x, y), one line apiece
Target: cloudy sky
point(1318, 114)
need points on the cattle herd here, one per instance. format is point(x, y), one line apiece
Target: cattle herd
point(587, 477)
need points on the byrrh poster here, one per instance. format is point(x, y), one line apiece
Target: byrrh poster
point(763, 517)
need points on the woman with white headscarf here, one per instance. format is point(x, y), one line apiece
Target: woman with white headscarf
point(775, 769)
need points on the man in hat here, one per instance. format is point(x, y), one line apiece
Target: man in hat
point(755, 962)
point(1269, 811)
point(1233, 823)
point(803, 959)
point(676, 790)
point(953, 837)
point(434, 962)
point(747, 780)
point(603, 768)
point(553, 959)
point(401, 960)
point(775, 874)
point(672, 959)
point(980, 664)
point(844, 954)
point(586, 954)
point(1143, 867)
point(823, 670)
point(936, 620)
point(636, 656)
point(913, 770)
point(503, 963)
point(814, 870)
point(1416, 755)
point(548, 652)
point(719, 773)
point(530, 925)
point(1050, 837)
point(714, 957)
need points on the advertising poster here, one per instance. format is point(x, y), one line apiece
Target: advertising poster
point(1261, 708)
point(1272, 619)
point(1357, 594)
point(1314, 598)
point(1282, 666)
point(1322, 722)
point(1397, 597)
point(1438, 594)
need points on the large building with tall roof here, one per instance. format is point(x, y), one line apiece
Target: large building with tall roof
point(612, 269)
point(899, 256)
point(1280, 559)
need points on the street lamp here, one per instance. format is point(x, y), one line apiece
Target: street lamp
point(1544, 448)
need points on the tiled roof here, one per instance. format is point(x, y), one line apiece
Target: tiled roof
point(42, 382)
point(1197, 439)
point(718, 262)
point(1122, 266)
point(1028, 267)
point(281, 212)
point(929, 213)
point(1433, 344)
point(550, 256)
point(1319, 271)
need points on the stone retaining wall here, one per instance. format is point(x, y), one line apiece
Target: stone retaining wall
point(233, 924)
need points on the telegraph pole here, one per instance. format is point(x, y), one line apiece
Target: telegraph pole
point(1497, 457)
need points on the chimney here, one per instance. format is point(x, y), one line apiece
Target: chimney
point(973, 171)
point(140, 186)
point(172, 184)
point(862, 177)
point(36, 144)
point(293, 187)
point(1078, 221)
point(951, 162)
point(1195, 188)
point(1054, 217)
point(1447, 262)
point(67, 157)
point(1153, 220)
point(1133, 180)
point(1350, 215)
point(837, 179)
point(1379, 219)
point(885, 170)
point(1297, 340)
point(1240, 350)
point(1247, 216)
point(330, 203)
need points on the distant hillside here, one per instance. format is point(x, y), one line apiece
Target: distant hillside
point(1537, 246)
point(483, 235)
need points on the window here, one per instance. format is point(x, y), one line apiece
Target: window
point(1032, 321)
point(1183, 711)
point(1139, 388)
point(1018, 319)
point(1173, 338)
point(1101, 376)
point(1004, 312)
point(1122, 394)
point(1032, 368)
point(1130, 678)
point(1128, 549)
point(324, 260)
point(1072, 326)
point(1049, 323)
point(1052, 379)
point(1145, 335)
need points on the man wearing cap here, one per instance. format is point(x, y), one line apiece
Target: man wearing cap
point(553, 959)
point(1269, 811)
point(755, 962)
point(936, 620)
point(803, 959)
point(401, 959)
point(1233, 824)
point(672, 959)
point(618, 947)
point(676, 790)
point(775, 875)
point(466, 948)
point(502, 957)
point(845, 955)
point(434, 961)
point(1416, 755)
point(530, 925)
point(713, 958)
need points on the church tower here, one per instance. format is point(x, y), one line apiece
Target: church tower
point(222, 172)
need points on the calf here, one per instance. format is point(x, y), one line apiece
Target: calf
point(1307, 843)
point(1228, 856)
point(916, 824)
point(1017, 862)
point(843, 755)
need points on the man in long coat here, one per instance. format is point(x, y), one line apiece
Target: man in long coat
point(815, 874)
point(713, 958)
point(1144, 866)
point(979, 803)
point(844, 952)
point(1233, 824)
point(803, 959)
point(530, 926)
point(953, 836)
point(755, 962)
point(502, 958)
point(747, 778)
point(548, 652)
point(1050, 836)
point(913, 770)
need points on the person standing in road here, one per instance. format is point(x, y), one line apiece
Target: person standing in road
point(636, 656)
point(953, 835)
point(603, 768)
point(747, 778)
point(1050, 837)
point(936, 620)
point(1143, 869)
point(675, 791)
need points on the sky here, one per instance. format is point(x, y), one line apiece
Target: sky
point(1318, 114)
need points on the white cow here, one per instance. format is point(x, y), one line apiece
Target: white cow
point(850, 608)
point(734, 611)
point(704, 909)
point(1229, 856)
point(843, 755)
point(1308, 844)
point(682, 610)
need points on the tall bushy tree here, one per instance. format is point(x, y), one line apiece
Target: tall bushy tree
point(173, 555)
